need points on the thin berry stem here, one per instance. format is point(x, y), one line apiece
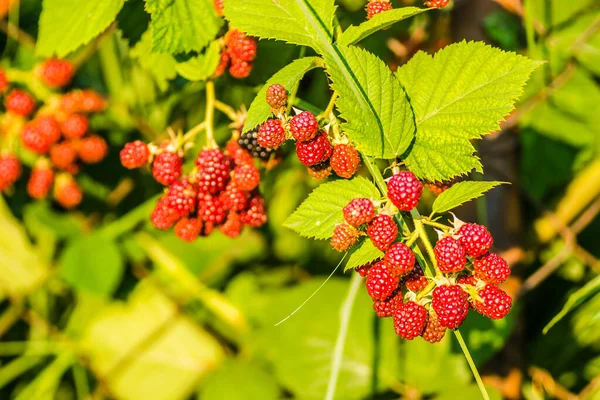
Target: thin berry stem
point(435, 224)
point(425, 240)
point(425, 291)
point(472, 365)
point(210, 114)
point(330, 106)
point(189, 135)
point(226, 109)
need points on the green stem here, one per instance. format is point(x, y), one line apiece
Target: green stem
point(425, 240)
point(226, 109)
point(82, 385)
point(338, 351)
point(210, 114)
point(129, 221)
point(189, 135)
point(465, 351)
point(435, 224)
point(330, 106)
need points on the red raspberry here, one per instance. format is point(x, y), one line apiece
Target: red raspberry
point(450, 255)
point(304, 126)
point(383, 231)
point(166, 168)
point(208, 228)
point(163, 217)
point(49, 128)
point(375, 7)
point(10, 170)
point(400, 259)
point(246, 177)
point(213, 170)
point(438, 188)
point(467, 280)
point(182, 196)
point(345, 160)
point(134, 154)
point(491, 268)
point(404, 190)
point(496, 303)
point(40, 180)
point(434, 332)
point(359, 211)
point(233, 225)
point(239, 155)
point(240, 46)
point(19, 102)
point(255, 215)
point(63, 155)
point(223, 64)
point(276, 96)
point(3, 81)
point(32, 139)
point(451, 305)
point(91, 101)
point(344, 236)
point(271, 134)
point(188, 229)
point(437, 3)
point(320, 171)
point(218, 5)
point(387, 308)
point(210, 208)
point(56, 73)
point(415, 281)
point(380, 282)
point(74, 126)
point(92, 149)
point(475, 239)
point(233, 198)
point(363, 270)
point(409, 320)
point(67, 192)
point(314, 151)
point(240, 69)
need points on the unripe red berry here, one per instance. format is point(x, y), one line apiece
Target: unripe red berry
point(256, 214)
point(92, 149)
point(304, 126)
point(363, 270)
point(40, 181)
point(345, 160)
point(210, 208)
point(320, 171)
point(475, 239)
point(240, 69)
point(233, 225)
point(271, 134)
point(491, 268)
point(387, 308)
point(400, 259)
point(437, 3)
point(166, 168)
point(438, 188)
point(496, 302)
point(240, 156)
point(134, 154)
point(56, 73)
point(409, 320)
point(182, 196)
point(214, 168)
point(240, 46)
point(91, 101)
point(49, 128)
point(314, 151)
point(10, 170)
point(188, 229)
point(467, 280)
point(380, 282)
point(276, 96)
point(74, 126)
point(375, 7)
point(434, 332)
point(19, 102)
point(32, 139)
point(233, 198)
point(382, 231)
point(218, 6)
point(404, 190)
point(344, 236)
point(223, 64)
point(246, 177)
point(359, 211)
point(450, 255)
point(3, 81)
point(67, 192)
point(415, 281)
point(450, 304)
point(163, 217)
point(63, 155)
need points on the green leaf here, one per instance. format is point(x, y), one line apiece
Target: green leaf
point(288, 77)
point(362, 253)
point(180, 26)
point(461, 193)
point(318, 215)
point(93, 264)
point(355, 34)
point(203, 66)
point(581, 295)
point(252, 382)
point(302, 22)
point(459, 94)
point(160, 65)
point(67, 24)
point(378, 115)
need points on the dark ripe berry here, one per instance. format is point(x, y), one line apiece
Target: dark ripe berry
point(210, 208)
point(40, 181)
point(213, 170)
point(92, 149)
point(400, 259)
point(491, 268)
point(63, 155)
point(74, 126)
point(67, 192)
point(404, 190)
point(344, 236)
point(3, 81)
point(134, 154)
point(233, 225)
point(49, 128)
point(218, 6)
point(188, 229)
point(166, 168)
point(239, 68)
point(182, 196)
point(320, 171)
point(163, 217)
point(271, 134)
point(363, 270)
point(496, 302)
point(382, 231)
point(380, 282)
point(256, 214)
point(19, 102)
point(246, 177)
point(475, 239)
point(415, 281)
point(387, 307)
point(240, 156)
point(33, 139)
point(240, 46)
point(233, 198)
point(377, 7)
point(314, 151)
point(249, 142)
point(56, 73)
point(409, 320)
point(434, 332)
point(467, 280)
point(437, 3)
point(359, 211)
point(451, 305)
point(304, 126)
point(10, 170)
point(450, 255)
point(345, 160)
point(223, 64)
point(276, 96)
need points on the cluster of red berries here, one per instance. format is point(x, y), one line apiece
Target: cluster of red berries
point(57, 133)
point(313, 145)
point(437, 3)
point(221, 192)
point(238, 54)
point(375, 7)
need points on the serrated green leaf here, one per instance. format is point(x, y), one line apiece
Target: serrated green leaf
point(378, 116)
point(355, 34)
point(203, 66)
point(363, 253)
point(581, 295)
point(160, 65)
point(67, 24)
point(303, 22)
point(461, 193)
point(288, 77)
point(180, 26)
point(318, 215)
point(459, 94)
